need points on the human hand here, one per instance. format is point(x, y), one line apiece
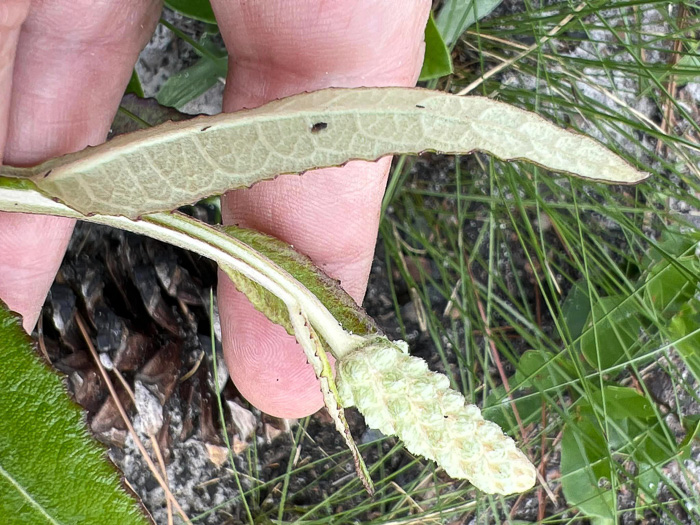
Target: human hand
point(73, 60)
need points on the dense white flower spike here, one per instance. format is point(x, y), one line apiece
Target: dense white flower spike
point(398, 395)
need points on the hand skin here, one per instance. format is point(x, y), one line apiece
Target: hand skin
point(72, 60)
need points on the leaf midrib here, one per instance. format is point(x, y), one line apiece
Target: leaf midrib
point(28, 496)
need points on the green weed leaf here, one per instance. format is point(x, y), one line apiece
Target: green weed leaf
point(191, 82)
point(585, 470)
point(179, 163)
point(575, 309)
point(670, 286)
point(543, 370)
point(456, 16)
point(134, 86)
point(498, 408)
point(685, 330)
point(51, 470)
point(437, 61)
point(622, 402)
point(197, 9)
point(617, 330)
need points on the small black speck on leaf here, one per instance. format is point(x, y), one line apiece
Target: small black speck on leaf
point(419, 106)
point(47, 173)
point(318, 127)
point(205, 128)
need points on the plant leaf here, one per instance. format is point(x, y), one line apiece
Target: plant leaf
point(456, 16)
point(197, 9)
point(575, 309)
point(584, 464)
point(498, 408)
point(352, 317)
point(543, 370)
point(192, 82)
point(437, 61)
point(134, 86)
point(51, 470)
point(622, 402)
point(616, 333)
point(179, 163)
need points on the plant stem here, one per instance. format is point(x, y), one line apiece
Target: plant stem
point(208, 241)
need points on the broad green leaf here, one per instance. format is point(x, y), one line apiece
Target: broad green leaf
point(456, 16)
point(437, 61)
point(685, 330)
point(670, 286)
point(575, 309)
point(687, 445)
point(584, 468)
point(498, 408)
point(197, 9)
point(622, 402)
point(51, 470)
point(652, 443)
point(351, 316)
point(179, 163)
point(617, 330)
point(543, 370)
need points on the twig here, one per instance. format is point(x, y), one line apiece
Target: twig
point(127, 422)
point(194, 369)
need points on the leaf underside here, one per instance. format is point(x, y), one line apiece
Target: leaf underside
point(352, 317)
point(174, 164)
point(51, 470)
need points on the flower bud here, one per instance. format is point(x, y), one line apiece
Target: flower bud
point(398, 395)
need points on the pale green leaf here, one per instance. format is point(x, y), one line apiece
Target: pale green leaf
point(178, 163)
point(51, 470)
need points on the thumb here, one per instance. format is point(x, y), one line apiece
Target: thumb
point(279, 49)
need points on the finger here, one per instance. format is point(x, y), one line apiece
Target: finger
point(73, 61)
point(278, 49)
point(12, 15)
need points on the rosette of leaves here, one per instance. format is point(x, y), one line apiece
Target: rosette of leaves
point(133, 181)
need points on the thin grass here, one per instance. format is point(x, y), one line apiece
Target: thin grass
point(485, 255)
